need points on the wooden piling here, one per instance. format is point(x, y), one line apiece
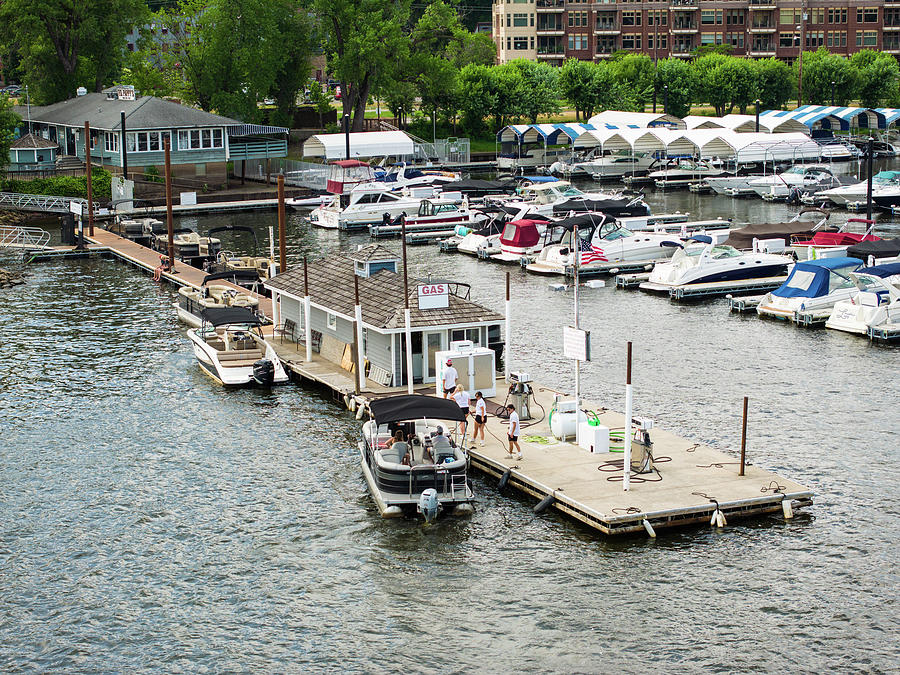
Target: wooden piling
point(170, 227)
point(743, 438)
point(282, 237)
point(87, 167)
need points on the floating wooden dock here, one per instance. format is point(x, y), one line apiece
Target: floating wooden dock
point(714, 288)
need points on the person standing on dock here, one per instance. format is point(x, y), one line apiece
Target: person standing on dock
point(461, 396)
point(450, 378)
point(513, 433)
point(480, 418)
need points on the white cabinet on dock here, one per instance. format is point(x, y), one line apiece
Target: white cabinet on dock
point(476, 366)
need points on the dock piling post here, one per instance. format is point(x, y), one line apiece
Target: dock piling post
point(743, 438)
point(360, 364)
point(506, 328)
point(406, 317)
point(87, 169)
point(169, 222)
point(870, 152)
point(307, 310)
point(626, 460)
point(282, 243)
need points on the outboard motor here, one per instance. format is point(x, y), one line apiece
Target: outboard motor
point(428, 505)
point(264, 372)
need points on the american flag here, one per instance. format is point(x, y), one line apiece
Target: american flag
point(588, 253)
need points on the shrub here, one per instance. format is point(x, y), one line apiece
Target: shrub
point(63, 186)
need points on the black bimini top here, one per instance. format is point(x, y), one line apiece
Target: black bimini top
point(237, 275)
point(412, 407)
point(221, 316)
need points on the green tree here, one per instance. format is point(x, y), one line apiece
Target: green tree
point(9, 121)
point(363, 41)
point(634, 75)
point(539, 92)
point(321, 101)
point(775, 84)
point(477, 48)
point(725, 82)
point(679, 79)
point(820, 69)
point(877, 75)
point(65, 44)
point(476, 87)
point(576, 85)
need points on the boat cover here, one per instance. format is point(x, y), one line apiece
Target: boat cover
point(743, 237)
point(475, 186)
point(236, 275)
point(414, 406)
point(820, 269)
point(614, 207)
point(884, 248)
point(221, 316)
point(524, 233)
point(882, 271)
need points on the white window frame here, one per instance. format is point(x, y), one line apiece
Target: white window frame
point(331, 319)
point(133, 140)
point(210, 138)
point(111, 141)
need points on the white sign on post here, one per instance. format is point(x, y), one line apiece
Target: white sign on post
point(434, 296)
point(76, 207)
point(576, 343)
point(188, 198)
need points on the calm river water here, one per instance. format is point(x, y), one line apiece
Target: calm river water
point(151, 521)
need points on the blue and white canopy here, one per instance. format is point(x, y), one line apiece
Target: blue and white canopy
point(812, 278)
point(830, 117)
point(550, 134)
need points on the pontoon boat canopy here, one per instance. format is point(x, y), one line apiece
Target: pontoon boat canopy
point(221, 316)
point(412, 407)
point(243, 275)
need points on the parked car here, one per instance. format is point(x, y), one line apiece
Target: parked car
point(12, 89)
point(337, 93)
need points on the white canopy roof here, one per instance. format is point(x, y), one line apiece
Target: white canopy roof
point(363, 144)
point(635, 120)
point(703, 122)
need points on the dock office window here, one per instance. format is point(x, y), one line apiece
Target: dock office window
point(111, 142)
point(332, 321)
point(197, 139)
point(146, 141)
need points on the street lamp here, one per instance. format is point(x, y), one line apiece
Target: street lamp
point(800, 67)
point(666, 99)
point(758, 102)
point(832, 93)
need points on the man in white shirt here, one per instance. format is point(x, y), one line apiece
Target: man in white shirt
point(450, 378)
point(513, 433)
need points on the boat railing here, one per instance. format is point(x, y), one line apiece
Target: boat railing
point(438, 474)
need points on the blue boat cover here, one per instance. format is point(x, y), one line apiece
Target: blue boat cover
point(882, 271)
point(820, 269)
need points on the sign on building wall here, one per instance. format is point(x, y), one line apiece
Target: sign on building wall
point(434, 296)
point(125, 93)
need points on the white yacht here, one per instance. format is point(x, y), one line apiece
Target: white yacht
point(602, 240)
point(365, 205)
point(700, 261)
point(812, 289)
point(876, 305)
point(805, 177)
point(733, 186)
point(230, 348)
point(685, 171)
point(403, 175)
point(882, 182)
point(426, 471)
point(616, 164)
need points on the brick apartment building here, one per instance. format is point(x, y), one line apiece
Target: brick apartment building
point(556, 30)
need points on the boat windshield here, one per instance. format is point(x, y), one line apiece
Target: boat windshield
point(618, 233)
point(720, 252)
point(796, 170)
point(571, 191)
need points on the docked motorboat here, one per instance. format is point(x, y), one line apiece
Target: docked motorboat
point(685, 171)
point(263, 267)
point(448, 210)
point(559, 196)
point(403, 175)
point(193, 301)
point(829, 243)
point(601, 240)
point(190, 246)
point(800, 177)
point(367, 205)
point(811, 290)
point(876, 305)
point(887, 197)
point(139, 230)
point(878, 252)
point(616, 164)
point(882, 182)
point(700, 261)
point(483, 241)
point(733, 186)
point(743, 238)
point(230, 348)
point(519, 238)
point(426, 472)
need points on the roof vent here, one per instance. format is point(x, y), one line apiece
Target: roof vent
point(81, 91)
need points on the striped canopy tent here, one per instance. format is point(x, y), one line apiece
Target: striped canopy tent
point(829, 117)
point(517, 133)
point(636, 120)
point(703, 122)
point(890, 115)
point(862, 118)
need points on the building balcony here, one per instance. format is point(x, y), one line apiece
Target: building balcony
point(888, 27)
point(550, 52)
point(602, 55)
point(549, 5)
point(764, 52)
point(683, 5)
point(763, 28)
point(607, 29)
point(550, 30)
point(684, 30)
point(679, 53)
point(762, 5)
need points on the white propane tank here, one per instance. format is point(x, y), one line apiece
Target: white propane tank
point(564, 419)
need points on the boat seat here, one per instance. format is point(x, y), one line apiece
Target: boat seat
point(240, 355)
point(394, 453)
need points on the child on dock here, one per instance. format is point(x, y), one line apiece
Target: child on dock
point(480, 418)
point(513, 433)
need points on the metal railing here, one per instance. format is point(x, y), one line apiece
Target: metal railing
point(16, 236)
point(296, 173)
point(43, 203)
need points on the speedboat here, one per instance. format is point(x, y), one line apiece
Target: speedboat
point(602, 241)
point(520, 238)
point(747, 237)
point(365, 205)
point(483, 241)
point(887, 197)
point(876, 305)
point(230, 348)
point(432, 479)
point(811, 289)
point(684, 171)
point(732, 186)
point(402, 175)
point(822, 243)
point(883, 181)
point(883, 251)
point(700, 261)
point(802, 177)
point(192, 301)
point(447, 211)
point(616, 164)
point(559, 196)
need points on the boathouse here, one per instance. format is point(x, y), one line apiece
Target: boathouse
point(435, 321)
point(201, 143)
